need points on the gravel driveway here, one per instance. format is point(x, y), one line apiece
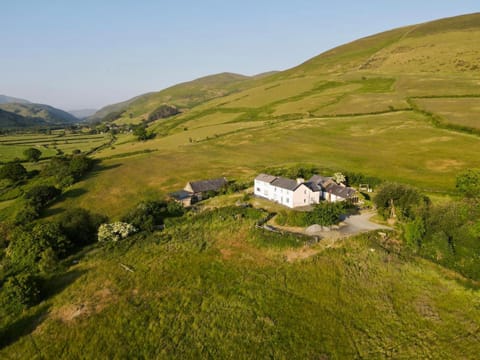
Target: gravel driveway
point(355, 224)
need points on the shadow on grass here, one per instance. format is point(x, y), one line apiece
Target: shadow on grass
point(58, 283)
point(26, 324)
point(73, 193)
point(22, 326)
point(99, 168)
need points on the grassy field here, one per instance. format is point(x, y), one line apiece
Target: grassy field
point(397, 146)
point(12, 146)
point(214, 287)
point(457, 111)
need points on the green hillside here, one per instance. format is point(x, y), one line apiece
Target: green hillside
point(12, 120)
point(39, 114)
point(184, 96)
point(399, 106)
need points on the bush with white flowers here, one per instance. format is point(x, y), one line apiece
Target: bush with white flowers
point(115, 231)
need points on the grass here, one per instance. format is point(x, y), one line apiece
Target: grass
point(457, 111)
point(203, 289)
point(12, 146)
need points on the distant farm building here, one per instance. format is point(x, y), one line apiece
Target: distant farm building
point(297, 193)
point(195, 191)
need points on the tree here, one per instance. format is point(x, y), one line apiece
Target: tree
point(27, 244)
point(468, 183)
point(80, 226)
point(326, 214)
point(32, 154)
point(41, 195)
point(22, 290)
point(115, 231)
point(339, 178)
point(13, 171)
point(141, 133)
point(404, 199)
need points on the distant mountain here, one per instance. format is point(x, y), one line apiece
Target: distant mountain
point(12, 120)
point(82, 113)
point(184, 96)
point(38, 114)
point(4, 99)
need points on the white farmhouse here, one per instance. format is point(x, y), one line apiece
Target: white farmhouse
point(288, 192)
point(297, 193)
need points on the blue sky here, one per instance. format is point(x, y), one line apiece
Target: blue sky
point(77, 54)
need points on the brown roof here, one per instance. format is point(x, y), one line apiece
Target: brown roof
point(208, 185)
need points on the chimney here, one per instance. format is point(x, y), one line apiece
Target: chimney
point(300, 181)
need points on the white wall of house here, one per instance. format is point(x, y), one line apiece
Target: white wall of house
point(332, 197)
point(263, 189)
point(304, 196)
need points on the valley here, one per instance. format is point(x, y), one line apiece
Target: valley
point(400, 109)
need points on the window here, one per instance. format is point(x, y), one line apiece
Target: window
point(304, 200)
point(286, 199)
point(305, 192)
point(258, 189)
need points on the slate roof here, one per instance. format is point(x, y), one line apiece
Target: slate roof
point(285, 183)
point(319, 179)
point(208, 185)
point(181, 195)
point(341, 191)
point(265, 178)
point(312, 186)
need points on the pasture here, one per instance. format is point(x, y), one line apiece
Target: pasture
point(12, 146)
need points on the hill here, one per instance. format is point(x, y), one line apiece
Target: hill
point(39, 114)
point(8, 99)
point(12, 120)
point(184, 96)
point(401, 106)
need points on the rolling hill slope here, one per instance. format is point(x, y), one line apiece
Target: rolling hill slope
point(184, 96)
point(39, 114)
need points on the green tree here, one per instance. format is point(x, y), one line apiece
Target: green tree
point(80, 226)
point(41, 195)
point(141, 133)
point(32, 154)
point(326, 214)
point(22, 290)
point(13, 171)
point(28, 244)
point(468, 183)
point(400, 199)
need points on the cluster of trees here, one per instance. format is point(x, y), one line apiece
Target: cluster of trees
point(325, 214)
point(449, 233)
point(150, 215)
point(66, 170)
point(31, 254)
point(141, 132)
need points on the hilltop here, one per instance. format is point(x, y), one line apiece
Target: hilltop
point(184, 96)
point(4, 99)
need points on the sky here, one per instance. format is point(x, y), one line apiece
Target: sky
point(79, 54)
